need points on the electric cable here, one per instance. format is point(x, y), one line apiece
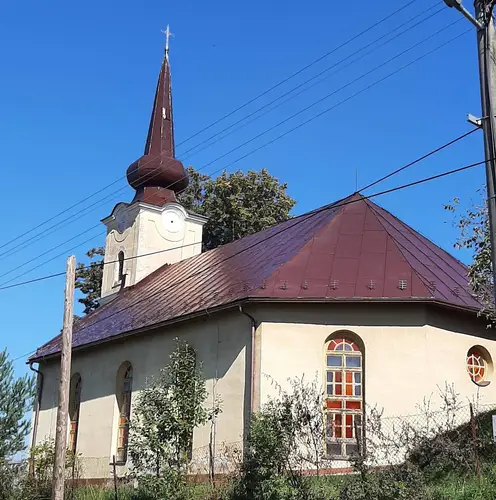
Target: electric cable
point(298, 219)
point(377, 23)
point(92, 208)
point(434, 151)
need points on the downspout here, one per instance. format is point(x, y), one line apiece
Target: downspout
point(38, 402)
point(252, 370)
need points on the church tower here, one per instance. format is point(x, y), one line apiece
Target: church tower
point(154, 229)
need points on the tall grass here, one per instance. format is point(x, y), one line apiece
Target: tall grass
point(465, 488)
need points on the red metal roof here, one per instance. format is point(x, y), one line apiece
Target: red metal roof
point(353, 249)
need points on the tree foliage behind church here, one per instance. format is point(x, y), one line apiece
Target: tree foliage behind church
point(237, 204)
point(89, 279)
point(475, 236)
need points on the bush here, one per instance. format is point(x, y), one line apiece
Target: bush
point(284, 439)
point(166, 413)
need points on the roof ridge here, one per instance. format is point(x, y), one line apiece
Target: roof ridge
point(174, 265)
point(403, 223)
point(314, 234)
point(397, 244)
point(429, 241)
point(464, 283)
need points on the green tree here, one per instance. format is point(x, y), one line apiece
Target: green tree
point(475, 237)
point(89, 279)
point(16, 397)
point(237, 204)
point(165, 414)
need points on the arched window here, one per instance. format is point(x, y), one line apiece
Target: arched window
point(344, 396)
point(120, 271)
point(124, 392)
point(479, 365)
point(74, 405)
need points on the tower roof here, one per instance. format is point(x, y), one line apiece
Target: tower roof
point(157, 176)
point(353, 250)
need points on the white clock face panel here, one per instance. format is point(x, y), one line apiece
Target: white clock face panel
point(172, 222)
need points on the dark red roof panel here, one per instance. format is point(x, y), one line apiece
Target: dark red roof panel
point(352, 249)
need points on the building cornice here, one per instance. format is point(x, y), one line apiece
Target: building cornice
point(261, 300)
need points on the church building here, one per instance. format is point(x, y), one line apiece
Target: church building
point(347, 292)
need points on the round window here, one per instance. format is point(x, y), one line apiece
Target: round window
point(479, 365)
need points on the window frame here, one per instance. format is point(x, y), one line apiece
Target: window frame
point(125, 376)
point(121, 257)
point(74, 410)
point(473, 365)
point(343, 394)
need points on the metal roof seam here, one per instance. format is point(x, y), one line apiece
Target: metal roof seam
point(249, 267)
point(435, 265)
point(434, 247)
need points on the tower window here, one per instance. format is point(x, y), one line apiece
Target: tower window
point(120, 274)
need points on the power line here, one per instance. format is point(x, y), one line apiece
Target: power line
point(51, 249)
point(35, 280)
point(301, 218)
point(89, 209)
point(299, 125)
point(368, 87)
point(322, 73)
point(154, 172)
point(408, 165)
point(48, 260)
point(295, 115)
point(327, 54)
point(381, 21)
point(23, 355)
point(298, 218)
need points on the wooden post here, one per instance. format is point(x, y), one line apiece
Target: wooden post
point(65, 374)
point(115, 478)
point(473, 425)
point(360, 451)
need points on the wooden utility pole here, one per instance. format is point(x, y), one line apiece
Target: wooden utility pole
point(65, 374)
point(486, 41)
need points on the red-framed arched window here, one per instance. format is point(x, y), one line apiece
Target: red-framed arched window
point(344, 396)
point(479, 365)
point(124, 393)
point(74, 407)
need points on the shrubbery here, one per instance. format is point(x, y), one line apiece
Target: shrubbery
point(434, 456)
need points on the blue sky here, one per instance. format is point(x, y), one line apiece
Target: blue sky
point(77, 87)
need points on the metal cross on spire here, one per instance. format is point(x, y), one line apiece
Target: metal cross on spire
point(168, 34)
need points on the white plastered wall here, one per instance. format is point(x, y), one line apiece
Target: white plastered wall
point(221, 344)
point(410, 352)
point(169, 233)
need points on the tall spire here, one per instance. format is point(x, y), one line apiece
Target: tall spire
point(158, 175)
